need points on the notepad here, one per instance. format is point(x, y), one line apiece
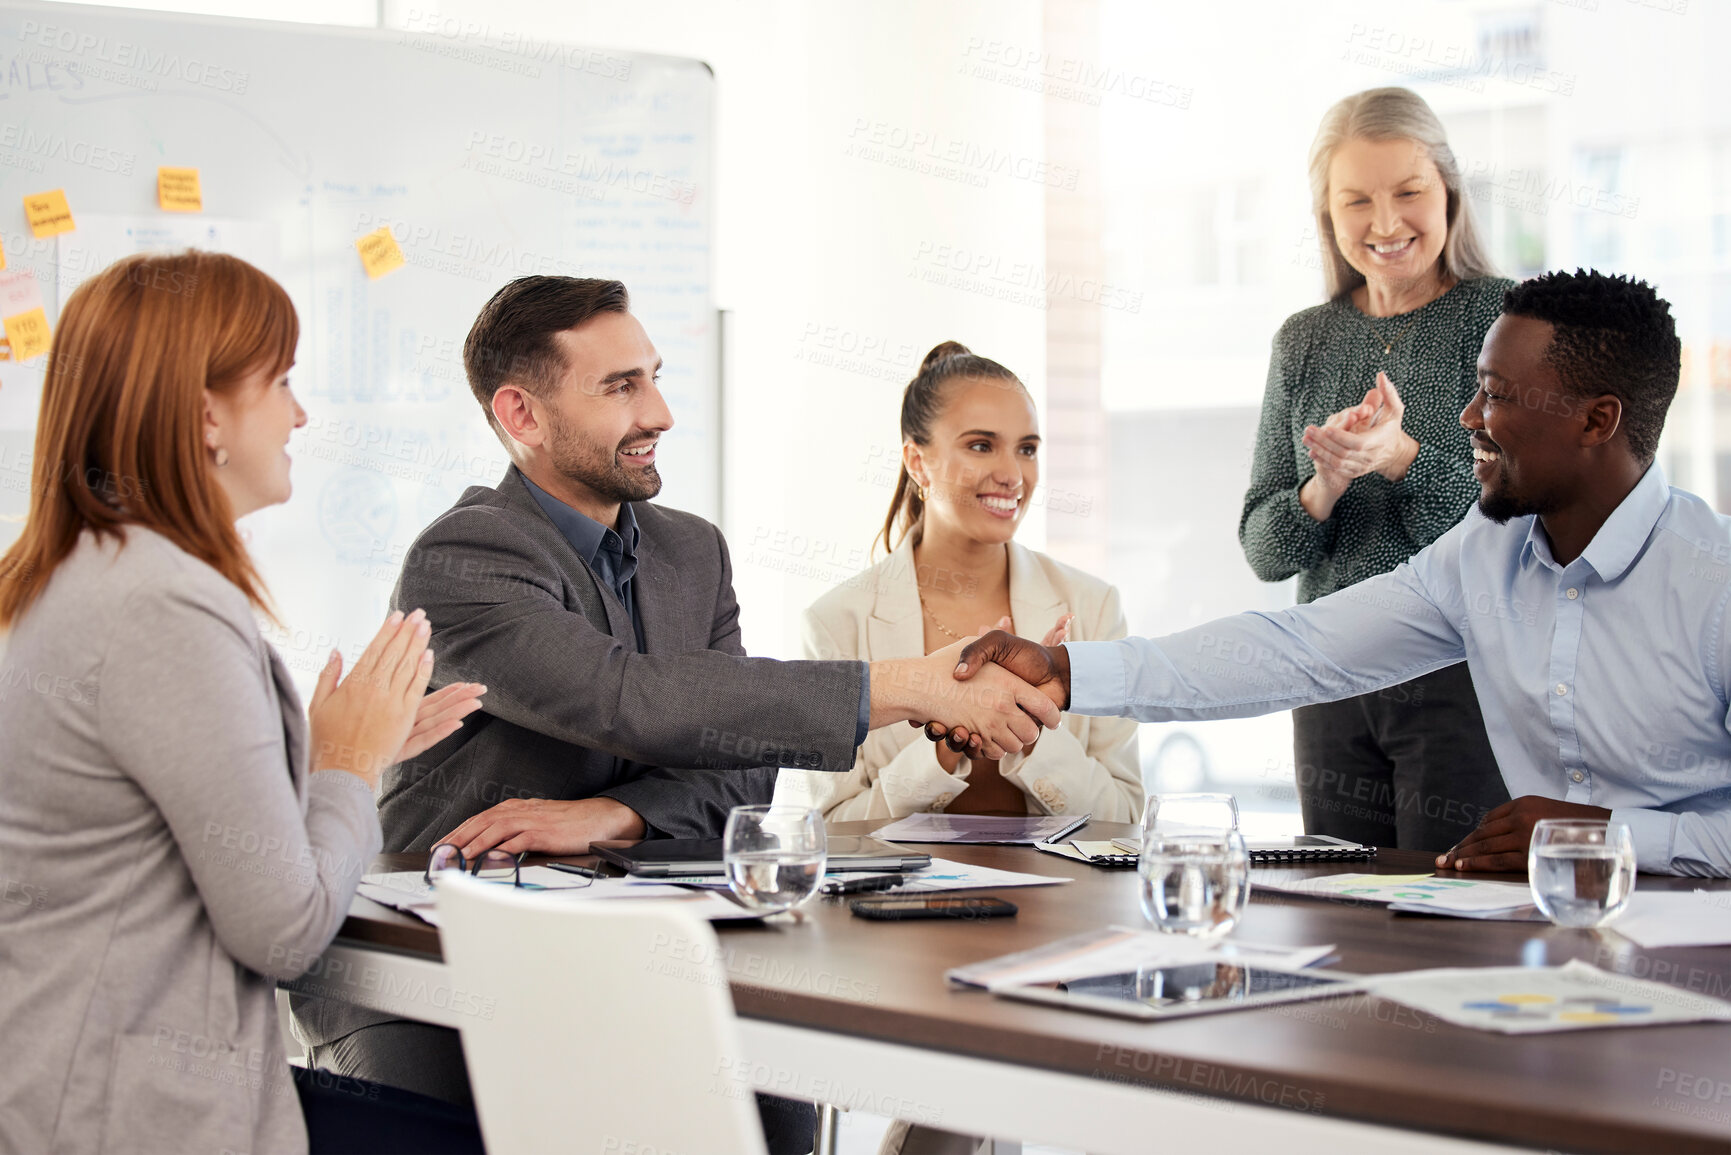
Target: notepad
point(981, 829)
point(1278, 851)
point(21, 314)
point(48, 214)
point(380, 253)
point(178, 191)
point(1103, 852)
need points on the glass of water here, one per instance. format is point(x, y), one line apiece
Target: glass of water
point(774, 855)
point(1582, 870)
point(1202, 811)
point(1194, 868)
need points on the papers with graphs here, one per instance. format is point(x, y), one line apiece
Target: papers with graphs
point(1420, 893)
point(1528, 1000)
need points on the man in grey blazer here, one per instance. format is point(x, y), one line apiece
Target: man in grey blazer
point(619, 700)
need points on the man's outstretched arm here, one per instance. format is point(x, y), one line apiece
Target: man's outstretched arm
point(1381, 632)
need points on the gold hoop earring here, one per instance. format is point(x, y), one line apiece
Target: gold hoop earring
point(922, 490)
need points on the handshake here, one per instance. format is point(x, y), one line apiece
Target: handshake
point(987, 695)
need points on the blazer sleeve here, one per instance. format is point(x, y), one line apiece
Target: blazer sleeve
point(1278, 537)
point(911, 782)
point(188, 712)
point(499, 617)
point(1102, 776)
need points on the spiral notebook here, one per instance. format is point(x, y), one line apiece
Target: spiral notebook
point(1272, 851)
point(1096, 853)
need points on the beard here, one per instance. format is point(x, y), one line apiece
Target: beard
point(1502, 504)
point(596, 466)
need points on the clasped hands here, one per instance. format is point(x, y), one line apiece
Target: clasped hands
point(995, 693)
point(997, 654)
point(1364, 438)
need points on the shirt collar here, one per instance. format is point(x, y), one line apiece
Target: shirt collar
point(588, 536)
point(1614, 547)
point(1619, 540)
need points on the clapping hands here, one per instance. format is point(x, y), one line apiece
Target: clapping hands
point(381, 713)
point(1364, 438)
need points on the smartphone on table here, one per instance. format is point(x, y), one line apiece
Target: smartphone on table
point(899, 908)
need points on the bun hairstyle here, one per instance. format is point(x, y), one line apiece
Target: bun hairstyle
point(922, 401)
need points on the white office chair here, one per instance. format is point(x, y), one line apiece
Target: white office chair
point(595, 1028)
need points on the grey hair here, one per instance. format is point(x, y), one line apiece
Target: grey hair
point(1392, 114)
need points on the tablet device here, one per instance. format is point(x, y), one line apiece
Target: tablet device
point(1191, 988)
point(678, 857)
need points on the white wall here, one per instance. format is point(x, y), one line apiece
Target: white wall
point(819, 250)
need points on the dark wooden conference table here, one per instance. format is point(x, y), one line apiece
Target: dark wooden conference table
point(1355, 1059)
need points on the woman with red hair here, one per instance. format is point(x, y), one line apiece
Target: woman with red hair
point(185, 835)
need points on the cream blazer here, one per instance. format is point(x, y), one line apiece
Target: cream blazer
point(1086, 766)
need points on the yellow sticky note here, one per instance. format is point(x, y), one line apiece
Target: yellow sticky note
point(48, 214)
point(379, 252)
point(177, 190)
point(27, 333)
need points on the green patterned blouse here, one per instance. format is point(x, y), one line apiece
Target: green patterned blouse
point(1325, 359)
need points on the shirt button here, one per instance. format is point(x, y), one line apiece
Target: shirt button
point(940, 801)
point(1577, 776)
point(1561, 689)
point(1574, 593)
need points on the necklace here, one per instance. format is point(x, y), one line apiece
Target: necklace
point(945, 630)
point(1388, 345)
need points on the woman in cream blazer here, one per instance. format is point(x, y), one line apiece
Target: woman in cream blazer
point(949, 487)
point(1086, 766)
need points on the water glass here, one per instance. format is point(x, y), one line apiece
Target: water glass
point(1194, 868)
point(1582, 870)
point(775, 855)
point(1196, 811)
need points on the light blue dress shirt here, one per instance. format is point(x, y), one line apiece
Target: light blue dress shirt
point(1602, 682)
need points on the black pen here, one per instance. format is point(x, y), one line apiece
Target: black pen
point(569, 869)
point(860, 885)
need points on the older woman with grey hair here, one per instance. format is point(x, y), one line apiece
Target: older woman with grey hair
point(1361, 461)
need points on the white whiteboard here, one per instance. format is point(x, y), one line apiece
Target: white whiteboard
point(489, 159)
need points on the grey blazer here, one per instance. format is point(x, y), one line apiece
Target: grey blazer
point(680, 734)
point(572, 709)
point(164, 858)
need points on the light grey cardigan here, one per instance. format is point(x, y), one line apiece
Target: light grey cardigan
point(164, 859)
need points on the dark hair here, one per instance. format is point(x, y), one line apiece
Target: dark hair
point(921, 402)
point(511, 342)
point(1613, 334)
